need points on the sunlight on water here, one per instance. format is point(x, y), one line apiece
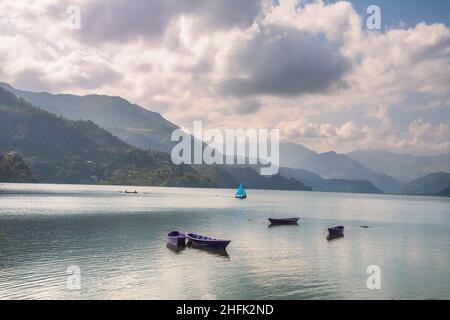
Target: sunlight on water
point(118, 241)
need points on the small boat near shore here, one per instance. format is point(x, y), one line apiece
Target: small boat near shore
point(176, 238)
point(207, 242)
point(276, 221)
point(335, 232)
point(134, 192)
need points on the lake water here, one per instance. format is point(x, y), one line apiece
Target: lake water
point(118, 243)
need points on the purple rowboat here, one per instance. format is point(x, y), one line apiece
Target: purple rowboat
point(207, 242)
point(176, 238)
point(283, 221)
point(336, 231)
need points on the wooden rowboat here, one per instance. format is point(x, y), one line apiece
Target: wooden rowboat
point(336, 231)
point(176, 238)
point(276, 221)
point(203, 241)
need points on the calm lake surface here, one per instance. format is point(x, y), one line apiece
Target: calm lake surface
point(118, 242)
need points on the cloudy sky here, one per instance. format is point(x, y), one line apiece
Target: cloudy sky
point(310, 68)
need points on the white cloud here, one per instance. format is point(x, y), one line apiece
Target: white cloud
point(349, 131)
point(426, 136)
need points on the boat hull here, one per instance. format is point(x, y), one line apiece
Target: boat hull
point(274, 221)
point(207, 242)
point(176, 238)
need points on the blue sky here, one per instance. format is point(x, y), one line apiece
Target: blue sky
point(409, 11)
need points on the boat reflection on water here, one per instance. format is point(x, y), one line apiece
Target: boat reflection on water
point(295, 225)
point(214, 251)
point(334, 237)
point(175, 249)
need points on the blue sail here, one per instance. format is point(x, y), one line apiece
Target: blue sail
point(240, 193)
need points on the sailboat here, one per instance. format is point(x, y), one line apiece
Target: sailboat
point(240, 193)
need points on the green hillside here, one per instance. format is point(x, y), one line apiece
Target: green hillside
point(13, 168)
point(65, 151)
point(432, 184)
point(130, 122)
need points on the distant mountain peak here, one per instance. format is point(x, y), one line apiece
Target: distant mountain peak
point(333, 165)
point(404, 167)
point(6, 86)
point(329, 153)
point(291, 152)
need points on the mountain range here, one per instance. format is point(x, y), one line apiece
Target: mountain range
point(58, 150)
point(317, 183)
point(331, 165)
point(403, 167)
point(104, 139)
point(129, 122)
point(65, 151)
point(436, 184)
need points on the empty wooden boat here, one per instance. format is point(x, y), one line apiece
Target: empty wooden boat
point(207, 242)
point(176, 238)
point(337, 231)
point(277, 221)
